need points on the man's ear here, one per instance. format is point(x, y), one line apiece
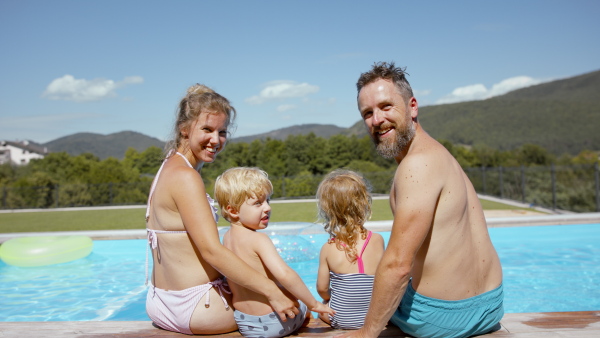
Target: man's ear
point(413, 106)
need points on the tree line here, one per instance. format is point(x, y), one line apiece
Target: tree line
point(295, 166)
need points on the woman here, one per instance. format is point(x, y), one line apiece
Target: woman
point(187, 293)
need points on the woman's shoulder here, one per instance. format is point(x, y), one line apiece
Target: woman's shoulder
point(180, 176)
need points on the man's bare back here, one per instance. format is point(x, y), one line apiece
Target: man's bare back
point(457, 259)
point(440, 262)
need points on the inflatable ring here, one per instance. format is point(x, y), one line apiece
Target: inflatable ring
point(47, 250)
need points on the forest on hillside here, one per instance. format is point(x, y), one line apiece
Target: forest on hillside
point(295, 166)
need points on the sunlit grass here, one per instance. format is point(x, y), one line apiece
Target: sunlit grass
point(115, 219)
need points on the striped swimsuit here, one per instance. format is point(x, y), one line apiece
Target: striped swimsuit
point(351, 295)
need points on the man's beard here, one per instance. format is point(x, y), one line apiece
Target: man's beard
point(392, 148)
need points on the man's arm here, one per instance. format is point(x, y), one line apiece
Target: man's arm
point(415, 192)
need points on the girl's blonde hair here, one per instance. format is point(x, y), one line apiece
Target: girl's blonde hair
point(199, 99)
point(234, 186)
point(344, 203)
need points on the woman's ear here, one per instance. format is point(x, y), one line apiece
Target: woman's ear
point(184, 129)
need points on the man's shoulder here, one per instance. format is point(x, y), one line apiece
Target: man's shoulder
point(426, 154)
point(420, 161)
point(424, 166)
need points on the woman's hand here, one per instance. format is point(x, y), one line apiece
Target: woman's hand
point(282, 305)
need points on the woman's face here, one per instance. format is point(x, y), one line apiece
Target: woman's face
point(207, 136)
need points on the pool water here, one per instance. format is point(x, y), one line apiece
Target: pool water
point(546, 269)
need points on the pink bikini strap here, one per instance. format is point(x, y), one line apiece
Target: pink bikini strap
point(156, 180)
point(220, 285)
point(153, 243)
point(361, 266)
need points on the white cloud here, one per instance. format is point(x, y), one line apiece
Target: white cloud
point(480, 92)
point(81, 90)
point(285, 107)
point(513, 83)
point(282, 90)
point(133, 80)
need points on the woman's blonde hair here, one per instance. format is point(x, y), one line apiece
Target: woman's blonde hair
point(199, 99)
point(234, 186)
point(344, 203)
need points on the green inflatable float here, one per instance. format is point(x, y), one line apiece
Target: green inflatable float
point(46, 250)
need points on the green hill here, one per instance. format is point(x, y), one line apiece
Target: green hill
point(562, 116)
point(322, 130)
point(103, 146)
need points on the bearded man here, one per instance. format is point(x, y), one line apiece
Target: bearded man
point(440, 275)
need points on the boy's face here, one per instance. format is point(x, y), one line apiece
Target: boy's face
point(254, 213)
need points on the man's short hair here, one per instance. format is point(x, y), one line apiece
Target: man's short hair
point(387, 71)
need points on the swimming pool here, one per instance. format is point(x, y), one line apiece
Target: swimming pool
point(546, 269)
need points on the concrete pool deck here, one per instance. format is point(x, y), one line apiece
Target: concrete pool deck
point(581, 324)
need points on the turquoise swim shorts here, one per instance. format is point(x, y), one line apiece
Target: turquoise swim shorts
point(422, 316)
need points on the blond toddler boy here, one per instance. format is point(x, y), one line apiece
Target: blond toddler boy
point(243, 195)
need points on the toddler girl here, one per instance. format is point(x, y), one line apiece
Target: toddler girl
point(349, 259)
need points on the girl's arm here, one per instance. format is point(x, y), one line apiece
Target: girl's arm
point(323, 275)
point(288, 278)
point(196, 213)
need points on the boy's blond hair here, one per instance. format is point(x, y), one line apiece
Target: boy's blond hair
point(234, 186)
point(344, 203)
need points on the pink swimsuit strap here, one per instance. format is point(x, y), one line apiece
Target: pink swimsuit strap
point(153, 186)
point(359, 261)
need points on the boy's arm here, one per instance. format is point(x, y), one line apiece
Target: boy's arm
point(323, 275)
point(288, 278)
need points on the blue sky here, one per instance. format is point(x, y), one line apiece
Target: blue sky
point(109, 66)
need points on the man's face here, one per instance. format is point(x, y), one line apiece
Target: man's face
point(387, 117)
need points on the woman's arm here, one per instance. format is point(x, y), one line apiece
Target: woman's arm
point(323, 275)
point(196, 214)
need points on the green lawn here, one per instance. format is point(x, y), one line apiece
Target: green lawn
point(114, 219)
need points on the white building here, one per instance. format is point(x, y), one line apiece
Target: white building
point(20, 152)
